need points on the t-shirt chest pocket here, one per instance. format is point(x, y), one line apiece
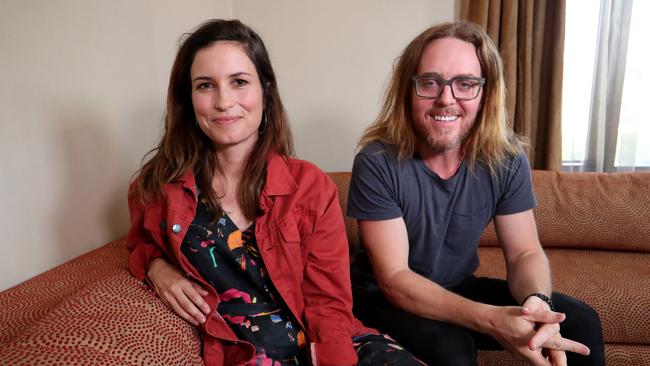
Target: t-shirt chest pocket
point(465, 227)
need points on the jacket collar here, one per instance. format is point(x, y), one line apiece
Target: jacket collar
point(279, 181)
point(188, 181)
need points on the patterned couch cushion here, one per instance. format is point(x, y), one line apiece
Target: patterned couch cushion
point(92, 311)
point(590, 211)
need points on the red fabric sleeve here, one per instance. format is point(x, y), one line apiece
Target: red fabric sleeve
point(139, 243)
point(326, 286)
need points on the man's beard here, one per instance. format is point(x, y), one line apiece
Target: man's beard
point(441, 144)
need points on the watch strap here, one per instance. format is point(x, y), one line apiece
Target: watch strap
point(543, 297)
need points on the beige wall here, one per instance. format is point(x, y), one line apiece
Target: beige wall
point(333, 59)
point(82, 94)
point(82, 87)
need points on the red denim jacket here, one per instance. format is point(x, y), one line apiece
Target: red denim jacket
point(302, 240)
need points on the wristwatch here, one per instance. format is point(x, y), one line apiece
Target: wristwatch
point(543, 297)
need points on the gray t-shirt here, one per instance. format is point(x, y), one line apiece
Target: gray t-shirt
point(444, 217)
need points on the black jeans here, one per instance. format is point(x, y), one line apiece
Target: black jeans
point(440, 343)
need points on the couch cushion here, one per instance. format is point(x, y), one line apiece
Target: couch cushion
point(92, 311)
point(590, 210)
point(615, 355)
point(26, 304)
point(615, 284)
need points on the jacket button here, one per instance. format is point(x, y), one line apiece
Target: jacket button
point(176, 228)
point(163, 225)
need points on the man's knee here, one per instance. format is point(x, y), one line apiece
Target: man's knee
point(449, 345)
point(583, 325)
point(434, 342)
point(580, 316)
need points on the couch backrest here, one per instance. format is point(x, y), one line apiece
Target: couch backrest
point(342, 181)
point(574, 210)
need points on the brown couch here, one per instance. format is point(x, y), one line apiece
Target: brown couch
point(595, 228)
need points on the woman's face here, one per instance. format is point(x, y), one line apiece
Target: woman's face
point(227, 95)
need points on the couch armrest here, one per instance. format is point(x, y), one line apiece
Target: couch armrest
point(92, 311)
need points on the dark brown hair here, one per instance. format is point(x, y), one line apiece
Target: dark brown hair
point(184, 146)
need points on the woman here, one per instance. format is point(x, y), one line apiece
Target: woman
point(235, 236)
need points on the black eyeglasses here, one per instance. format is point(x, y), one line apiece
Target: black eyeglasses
point(462, 87)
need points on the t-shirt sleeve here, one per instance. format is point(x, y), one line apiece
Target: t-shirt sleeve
point(517, 190)
point(372, 194)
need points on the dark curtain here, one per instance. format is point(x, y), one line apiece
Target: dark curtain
point(530, 36)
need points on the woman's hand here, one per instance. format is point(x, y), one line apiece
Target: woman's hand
point(178, 292)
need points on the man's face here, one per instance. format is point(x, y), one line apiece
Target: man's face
point(442, 124)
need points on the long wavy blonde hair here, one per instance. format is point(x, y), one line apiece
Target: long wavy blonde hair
point(490, 140)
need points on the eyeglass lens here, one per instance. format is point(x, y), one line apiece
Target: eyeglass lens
point(461, 88)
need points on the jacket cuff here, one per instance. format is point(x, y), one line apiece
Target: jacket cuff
point(140, 258)
point(332, 354)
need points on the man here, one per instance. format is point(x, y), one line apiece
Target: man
point(435, 167)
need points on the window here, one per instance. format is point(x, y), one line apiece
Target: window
point(604, 121)
point(633, 145)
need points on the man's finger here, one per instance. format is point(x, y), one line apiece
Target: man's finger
point(563, 344)
point(545, 316)
point(537, 359)
point(557, 358)
point(543, 334)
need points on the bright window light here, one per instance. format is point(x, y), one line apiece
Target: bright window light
point(581, 32)
point(633, 145)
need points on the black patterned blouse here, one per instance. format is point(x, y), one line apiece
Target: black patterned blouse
point(229, 259)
